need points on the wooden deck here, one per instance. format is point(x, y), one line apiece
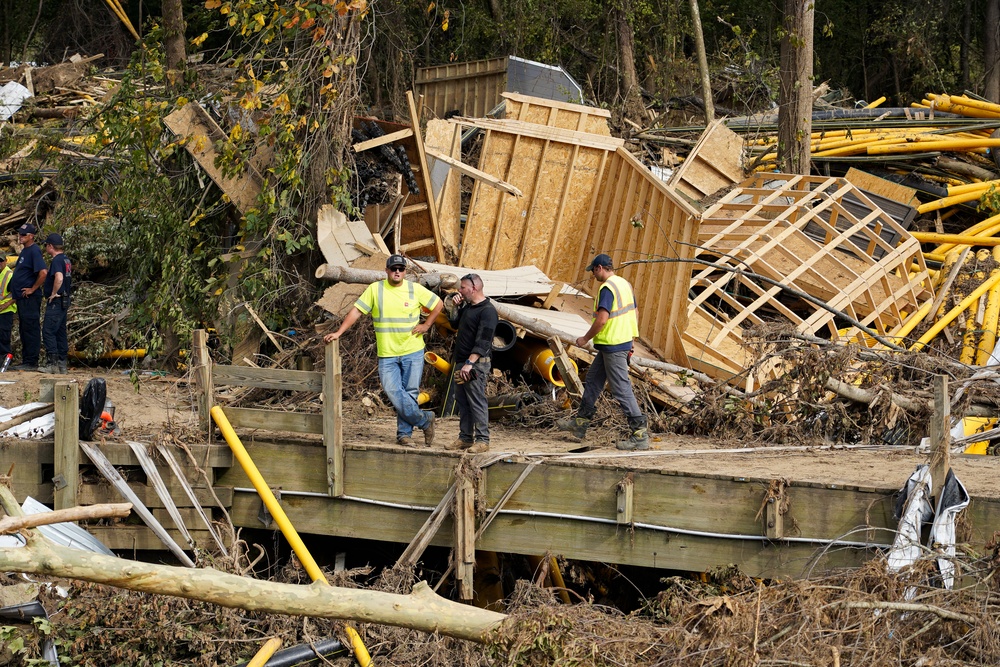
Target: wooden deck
point(652, 510)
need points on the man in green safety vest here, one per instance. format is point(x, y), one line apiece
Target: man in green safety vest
point(395, 304)
point(7, 307)
point(615, 324)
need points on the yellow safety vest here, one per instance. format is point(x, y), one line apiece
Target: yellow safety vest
point(623, 321)
point(395, 311)
point(5, 294)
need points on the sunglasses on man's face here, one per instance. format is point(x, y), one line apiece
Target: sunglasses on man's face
point(397, 269)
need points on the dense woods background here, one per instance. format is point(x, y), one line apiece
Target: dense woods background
point(897, 48)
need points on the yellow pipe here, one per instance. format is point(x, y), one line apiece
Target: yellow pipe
point(437, 362)
point(951, 200)
point(280, 518)
point(133, 353)
point(956, 239)
point(265, 652)
point(954, 312)
point(423, 397)
point(987, 227)
point(872, 105)
point(982, 186)
point(540, 357)
point(557, 579)
point(976, 104)
point(943, 145)
point(989, 338)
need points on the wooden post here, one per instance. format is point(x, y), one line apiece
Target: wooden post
point(940, 435)
point(465, 537)
point(566, 369)
point(625, 500)
point(203, 378)
point(774, 521)
point(333, 423)
point(425, 175)
point(66, 475)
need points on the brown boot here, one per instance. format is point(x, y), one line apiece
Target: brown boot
point(458, 444)
point(405, 441)
point(479, 447)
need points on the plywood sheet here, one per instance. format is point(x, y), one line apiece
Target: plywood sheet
point(557, 114)
point(715, 162)
point(883, 187)
point(444, 137)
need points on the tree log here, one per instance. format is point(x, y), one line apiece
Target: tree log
point(14, 524)
point(346, 274)
point(421, 610)
point(27, 416)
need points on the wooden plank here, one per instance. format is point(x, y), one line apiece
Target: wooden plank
point(299, 466)
point(333, 419)
point(567, 369)
point(460, 166)
point(446, 138)
point(552, 295)
point(66, 478)
point(274, 420)
point(381, 141)
point(95, 494)
point(715, 162)
point(154, 480)
point(129, 538)
point(268, 378)
point(465, 541)
point(425, 173)
point(940, 435)
point(112, 475)
point(415, 549)
point(542, 132)
point(209, 456)
point(192, 123)
point(203, 378)
point(579, 109)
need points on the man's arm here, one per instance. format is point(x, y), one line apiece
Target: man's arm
point(599, 322)
point(57, 281)
point(27, 291)
point(349, 320)
point(425, 326)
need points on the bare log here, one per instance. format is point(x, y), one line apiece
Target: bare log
point(421, 610)
point(14, 524)
point(346, 274)
point(27, 416)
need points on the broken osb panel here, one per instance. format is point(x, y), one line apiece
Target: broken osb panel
point(716, 162)
point(786, 247)
point(557, 114)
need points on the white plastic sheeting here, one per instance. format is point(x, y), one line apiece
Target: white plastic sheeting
point(12, 96)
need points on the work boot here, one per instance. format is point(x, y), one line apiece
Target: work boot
point(458, 444)
point(639, 438)
point(62, 367)
point(24, 367)
point(405, 441)
point(576, 426)
point(429, 430)
point(51, 368)
point(479, 447)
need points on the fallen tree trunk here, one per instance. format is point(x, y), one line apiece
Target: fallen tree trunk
point(345, 274)
point(27, 416)
point(421, 610)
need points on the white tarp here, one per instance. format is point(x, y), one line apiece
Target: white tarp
point(12, 96)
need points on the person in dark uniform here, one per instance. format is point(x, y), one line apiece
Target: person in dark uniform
point(476, 320)
point(26, 286)
point(57, 288)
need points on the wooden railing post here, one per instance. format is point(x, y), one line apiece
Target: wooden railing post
point(333, 424)
point(66, 475)
point(465, 536)
point(203, 378)
point(940, 435)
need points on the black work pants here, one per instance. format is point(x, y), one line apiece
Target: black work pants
point(54, 330)
point(473, 410)
point(6, 326)
point(29, 319)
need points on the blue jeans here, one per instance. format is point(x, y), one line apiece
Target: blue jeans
point(400, 377)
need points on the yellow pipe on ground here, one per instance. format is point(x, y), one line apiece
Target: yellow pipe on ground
point(132, 353)
point(557, 579)
point(265, 652)
point(951, 200)
point(957, 239)
point(540, 357)
point(437, 362)
point(954, 312)
point(872, 105)
point(423, 397)
point(967, 145)
point(280, 518)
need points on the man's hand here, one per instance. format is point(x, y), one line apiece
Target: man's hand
point(421, 329)
point(330, 337)
point(456, 299)
point(465, 372)
point(27, 291)
point(581, 341)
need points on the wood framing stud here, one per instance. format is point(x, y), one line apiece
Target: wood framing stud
point(566, 368)
point(333, 422)
point(66, 479)
point(625, 500)
point(203, 378)
point(465, 536)
point(939, 434)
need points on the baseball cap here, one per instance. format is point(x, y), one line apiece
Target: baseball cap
point(27, 228)
point(601, 260)
point(54, 239)
point(395, 260)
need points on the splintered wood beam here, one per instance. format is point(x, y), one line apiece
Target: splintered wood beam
point(566, 368)
point(425, 174)
point(465, 536)
point(381, 141)
point(478, 175)
point(333, 421)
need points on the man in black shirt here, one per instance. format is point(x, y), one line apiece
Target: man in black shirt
point(26, 286)
point(57, 288)
point(476, 320)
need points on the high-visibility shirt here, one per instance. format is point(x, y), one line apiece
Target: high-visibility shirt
point(395, 311)
point(623, 318)
point(5, 294)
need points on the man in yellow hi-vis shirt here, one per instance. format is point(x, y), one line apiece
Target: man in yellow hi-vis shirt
point(615, 324)
point(394, 304)
point(7, 307)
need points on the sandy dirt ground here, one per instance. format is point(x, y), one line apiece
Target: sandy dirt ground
point(145, 403)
